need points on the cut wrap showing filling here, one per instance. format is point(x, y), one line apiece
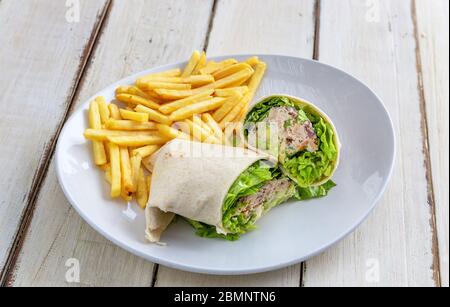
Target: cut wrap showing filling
point(257, 190)
point(305, 141)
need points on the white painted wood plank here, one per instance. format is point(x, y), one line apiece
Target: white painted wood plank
point(375, 42)
point(433, 24)
point(138, 35)
point(268, 26)
point(40, 59)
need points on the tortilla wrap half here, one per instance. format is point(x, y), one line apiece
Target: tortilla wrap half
point(312, 160)
point(193, 180)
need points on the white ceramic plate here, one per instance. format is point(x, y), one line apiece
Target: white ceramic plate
point(290, 233)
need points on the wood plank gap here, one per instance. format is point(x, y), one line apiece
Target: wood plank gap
point(317, 9)
point(42, 170)
point(426, 150)
point(210, 25)
point(155, 275)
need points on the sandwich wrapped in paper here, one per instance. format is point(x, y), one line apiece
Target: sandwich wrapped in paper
point(221, 191)
point(300, 135)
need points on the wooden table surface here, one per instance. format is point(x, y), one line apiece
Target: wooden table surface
point(56, 54)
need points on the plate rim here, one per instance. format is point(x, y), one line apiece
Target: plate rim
point(218, 271)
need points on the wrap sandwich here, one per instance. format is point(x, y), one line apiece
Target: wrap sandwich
point(298, 134)
point(221, 191)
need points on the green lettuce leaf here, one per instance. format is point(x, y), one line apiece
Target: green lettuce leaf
point(314, 192)
point(208, 231)
point(308, 168)
point(261, 110)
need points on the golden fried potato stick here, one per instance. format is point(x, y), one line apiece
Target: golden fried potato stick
point(134, 116)
point(138, 140)
point(194, 81)
point(227, 106)
point(129, 125)
point(114, 111)
point(151, 85)
point(201, 63)
point(173, 106)
point(146, 151)
point(232, 115)
point(197, 108)
point(193, 62)
point(225, 72)
point(142, 190)
point(240, 76)
point(200, 133)
point(103, 109)
point(227, 92)
point(213, 67)
point(116, 175)
point(172, 133)
point(125, 169)
point(137, 100)
point(252, 61)
point(154, 115)
point(170, 73)
point(95, 123)
point(101, 135)
point(209, 120)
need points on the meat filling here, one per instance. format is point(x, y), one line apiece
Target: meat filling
point(294, 136)
point(267, 194)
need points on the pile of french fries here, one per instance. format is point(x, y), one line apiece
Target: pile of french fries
point(205, 102)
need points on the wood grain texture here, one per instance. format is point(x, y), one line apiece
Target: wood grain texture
point(375, 42)
point(232, 33)
point(432, 19)
point(41, 58)
point(137, 35)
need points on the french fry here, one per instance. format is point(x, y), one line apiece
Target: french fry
point(146, 151)
point(134, 90)
point(142, 191)
point(170, 73)
point(173, 106)
point(253, 85)
point(194, 81)
point(101, 135)
point(209, 120)
point(197, 108)
point(227, 92)
point(135, 162)
point(108, 176)
point(95, 123)
point(138, 141)
point(196, 119)
point(129, 125)
point(148, 164)
point(212, 67)
point(164, 85)
point(201, 63)
point(227, 106)
point(202, 134)
point(240, 76)
point(255, 80)
point(103, 109)
point(125, 169)
point(137, 100)
point(252, 61)
point(116, 175)
point(171, 95)
point(225, 72)
point(114, 111)
point(134, 116)
point(191, 64)
point(232, 115)
point(154, 115)
point(172, 133)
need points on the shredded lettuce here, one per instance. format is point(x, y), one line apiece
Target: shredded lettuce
point(208, 231)
point(308, 168)
point(314, 192)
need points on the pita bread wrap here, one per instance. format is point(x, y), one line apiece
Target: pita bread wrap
point(306, 142)
point(193, 180)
